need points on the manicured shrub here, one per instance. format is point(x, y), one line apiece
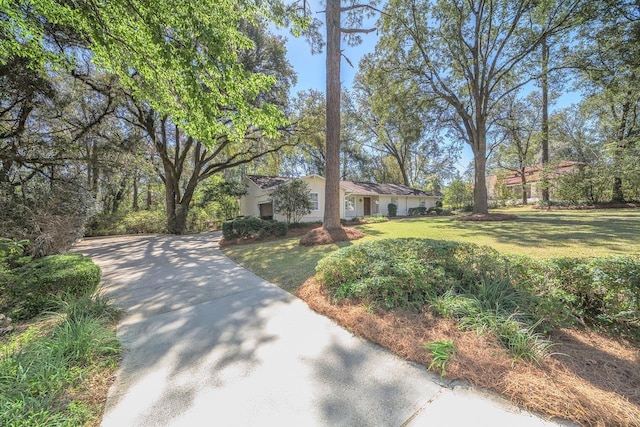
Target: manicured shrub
point(35, 287)
point(595, 290)
point(420, 210)
point(251, 226)
point(279, 229)
point(392, 273)
point(227, 229)
point(392, 209)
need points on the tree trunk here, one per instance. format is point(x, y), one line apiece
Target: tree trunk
point(171, 205)
point(478, 141)
point(134, 205)
point(480, 204)
point(149, 196)
point(332, 166)
point(405, 176)
point(545, 120)
point(523, 181)
point(618, 192)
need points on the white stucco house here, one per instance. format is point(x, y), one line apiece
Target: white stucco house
point(356, 198)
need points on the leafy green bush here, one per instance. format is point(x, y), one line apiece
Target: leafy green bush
point(227, 229)
point(392, 209)
point(12, 252)
point(392, 273)
point(595, 290)
point(251, 226)
point(198, 220)
point(279, 228)
point(420, 210)
point(34, 287)
point(105, 224)
point(145, 222)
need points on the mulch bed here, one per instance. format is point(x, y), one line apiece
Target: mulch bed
point(590, 379)
point(321, 236)
point(487, 217)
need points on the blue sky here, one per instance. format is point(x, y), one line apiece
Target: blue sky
point(311, 70)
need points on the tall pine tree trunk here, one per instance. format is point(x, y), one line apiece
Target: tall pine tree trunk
point(332, 162)
point(545, 121)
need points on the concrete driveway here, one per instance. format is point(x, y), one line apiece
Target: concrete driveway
point(208, 343)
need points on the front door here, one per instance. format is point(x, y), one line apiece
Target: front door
point(367, 206)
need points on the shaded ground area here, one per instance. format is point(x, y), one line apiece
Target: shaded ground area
point(589, 379)
point(487, 217)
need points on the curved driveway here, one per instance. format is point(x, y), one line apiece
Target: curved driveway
point(208, 343)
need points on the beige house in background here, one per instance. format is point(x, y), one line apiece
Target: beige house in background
point(356, 198)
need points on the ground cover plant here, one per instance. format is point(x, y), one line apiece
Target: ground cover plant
point(56, 371)
point(59, 356)
point(568, 347)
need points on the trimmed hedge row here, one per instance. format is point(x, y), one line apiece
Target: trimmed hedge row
point(401, 273)
point(34, 288)
point(251, 226)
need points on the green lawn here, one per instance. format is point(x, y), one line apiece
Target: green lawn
point(536, 233)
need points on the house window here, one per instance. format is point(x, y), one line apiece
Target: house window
point(394, 200)
point(314, 201)
point(350, 203)
point(421, 203)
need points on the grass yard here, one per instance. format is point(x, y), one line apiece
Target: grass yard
point(537, 233)
point(283, 262)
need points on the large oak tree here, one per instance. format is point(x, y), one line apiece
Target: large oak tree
point(470, 55)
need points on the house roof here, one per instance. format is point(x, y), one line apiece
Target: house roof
point(375, 189)
point(359, 188)
point(533, 173)
point(265, 182)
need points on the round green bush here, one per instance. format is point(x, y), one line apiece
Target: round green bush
point(35, 287)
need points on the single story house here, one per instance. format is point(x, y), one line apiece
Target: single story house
point(356, 198)
point(533, 174)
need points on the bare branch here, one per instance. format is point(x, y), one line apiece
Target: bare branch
point(357, 30)
point(360, 6)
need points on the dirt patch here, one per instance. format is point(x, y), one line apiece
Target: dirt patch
point(590, 379)
point(487, 217)
point(322, 236)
